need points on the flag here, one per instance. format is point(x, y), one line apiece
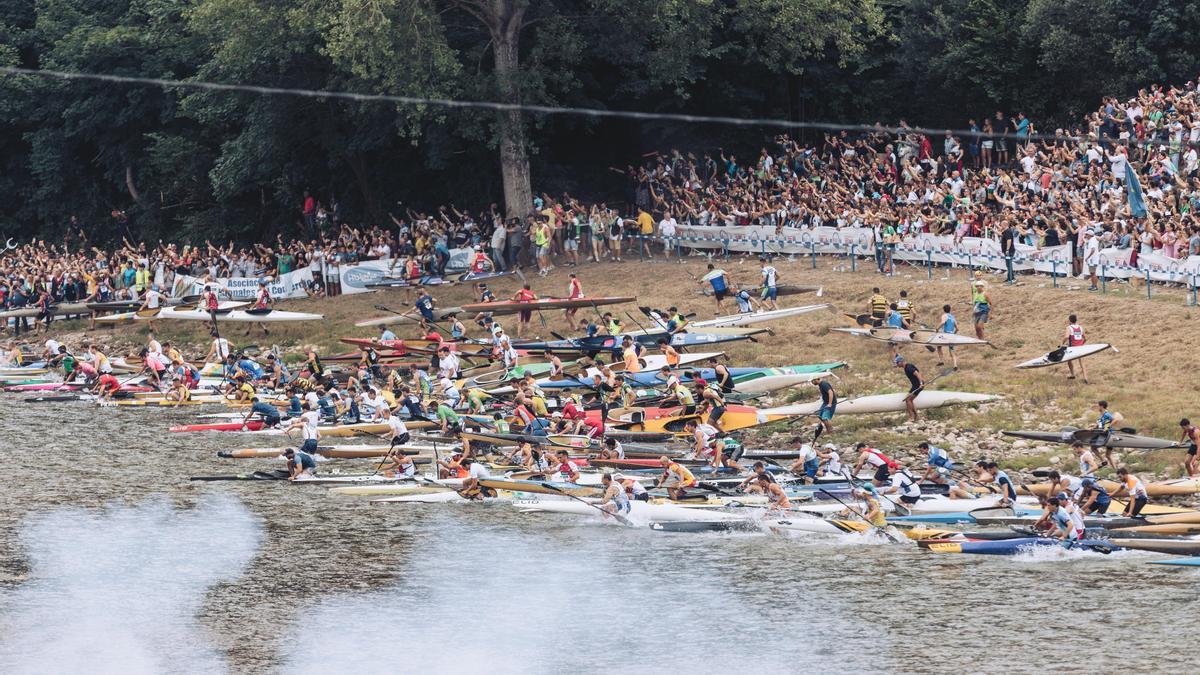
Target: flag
point(1137, 203)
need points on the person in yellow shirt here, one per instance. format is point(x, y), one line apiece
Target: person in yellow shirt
point(646, 227)
point(675, 477)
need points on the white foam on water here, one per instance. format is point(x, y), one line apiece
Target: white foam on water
point(117, 590)
point(569, 601)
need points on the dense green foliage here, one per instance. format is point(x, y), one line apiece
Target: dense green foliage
point(196, 164)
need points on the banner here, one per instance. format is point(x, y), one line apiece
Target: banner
point(354, 278)
point(286, 287)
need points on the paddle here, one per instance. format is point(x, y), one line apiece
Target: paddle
point(881, 530)
point(620, 519)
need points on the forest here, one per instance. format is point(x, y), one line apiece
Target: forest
point(188, 163)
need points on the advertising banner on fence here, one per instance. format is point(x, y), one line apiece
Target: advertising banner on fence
point(355, 278)
point(285, 287)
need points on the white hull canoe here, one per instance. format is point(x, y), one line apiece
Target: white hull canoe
point(920, 337)
point(887, 403)
point(757, 317)
point(769, 383)
point(134, 316)
point(643, 512)
point(397, 489)
point(1070, 354)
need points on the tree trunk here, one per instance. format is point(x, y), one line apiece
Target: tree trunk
point(131, 186)
point(362, 177)
point(514, 153)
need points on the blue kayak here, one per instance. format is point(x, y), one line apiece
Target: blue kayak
point(1181, 562)
point(650, 378)
point(1014, 546)
point(951, 518)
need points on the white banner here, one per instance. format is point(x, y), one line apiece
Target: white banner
point(354, 278)
point(285, 287)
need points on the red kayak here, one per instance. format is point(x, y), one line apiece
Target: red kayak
point(512, 307)
point(400, 347)
point(252, 425)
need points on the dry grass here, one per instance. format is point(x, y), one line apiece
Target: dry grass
point(1152, 381)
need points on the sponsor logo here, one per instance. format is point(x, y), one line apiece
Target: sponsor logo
point(359, 277)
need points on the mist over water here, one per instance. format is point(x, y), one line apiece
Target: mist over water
point(117, 590)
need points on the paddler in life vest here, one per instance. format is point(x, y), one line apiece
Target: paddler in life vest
point(675, 477)
point(210, 303)
point(1190, 434)
point(565, 470)
point(982, 304)
point(300, 464)
point(615, 500)
point(1065, 519)
point(106, 386)
point(633, 487)
point(267, 412)
point(1093, 498)
point(1075, 337)
point(877, 308)
point(873, 513)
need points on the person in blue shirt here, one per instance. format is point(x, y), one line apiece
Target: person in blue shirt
point(425, 304)
point(1093, 498)
point(267, 412)
point(719, 281)
point(948, 324)
point(295, 405)
point(250, 368)
point(386, 333)
point(745, 301)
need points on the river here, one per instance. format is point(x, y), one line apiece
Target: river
point(111, 561)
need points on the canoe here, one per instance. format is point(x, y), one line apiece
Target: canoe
point(780, 290)
point(334, 451)
point(1063, 355)
point(240, 315)
point(651, 362)
point(252, 425)
point(541, 487)
point(512, 440)
point(278, 475)
point(887, 403)
point(757, 317)
point(396, 489)
point(1189, 547)
point(223, 308)
point(511, 307)
point(1180, 562)
point(741, 375)
point(639, 511)
point(443, 496)
point(62, 309)
point(921, 337)
point(338, 430)
point(1096, 438)
point(669, 420)
point(1014, 546)
point(1171, 488)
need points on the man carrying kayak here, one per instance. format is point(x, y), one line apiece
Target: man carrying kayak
point(675, 477)
point(878, 307)
point(525, 316)
point(915, 384)
point(826, 411)
point(719, 281)
point(1075, 337)
point(948, 324)
point(267, 412)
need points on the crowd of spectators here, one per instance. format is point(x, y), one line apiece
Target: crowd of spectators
point(1004, 178)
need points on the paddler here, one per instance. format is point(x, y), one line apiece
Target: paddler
point(629, 356)
point(676, 322)
point(745, 301)
point(1066, 520)
point(67, 361)
point(267, 412)
point(397, 433)
point(882, 465)
point(449, 420)
point(675, 477)
point(219, 351)
point(612, 449)
point(615, 500)
point(1088, 464)
point(982, 304)
point(873, 513)
point(806, 464)
point(1093, 498)
point(400, 466)
point(307, 422)
point(1075, 337)
point(751, 484)
point(776, 498)
point(938, 466)
point(831, 461)
point(722, 376)
point(916, 382)
point(877, 307)
point(908, 491)
point(106, 386)
point(1105, 423)
point(907, 310)
point(712, 403)
point(566, 470)
point(704, 443)
point(1132, 486)
point(300, 464)
point(669, 354)
point(947, 324)
point(99, 360)
point(180, 392)
point(633, 487)
point(1190, 434)
point(719, 281)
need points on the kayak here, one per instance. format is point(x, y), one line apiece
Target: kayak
point(639, 511)
point(887, 403)
point(1181, 562)
point(396, 489)
point(1097, 438)
point(1063, 355)
point(1180, 487)
point(608, 343)
point(541, 487)
point(1189, 547)
point(337, 430)
point(252, 425)
point(650, 362)
point(651, 378)
point(63, 309)
point(670, 420)
point(438, 314)
point(234, 315)
point(903, 336)
point(278, 474)
point(443, 496)
point(758, 317)
point(556, 440)
point(512, 307)
point(334, 451)
point(1014, 546)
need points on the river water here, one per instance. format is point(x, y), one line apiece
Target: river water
point(111, 561)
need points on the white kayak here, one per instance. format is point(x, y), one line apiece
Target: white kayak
point(652, 362)
point(1063, 355)
point(921, 337)
point(357, 479)
point(757, 317)
point(446, 496)
point(887, 403)
point(239, 315)
point(769, 383)
point(640, 512)
point(397, 489)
